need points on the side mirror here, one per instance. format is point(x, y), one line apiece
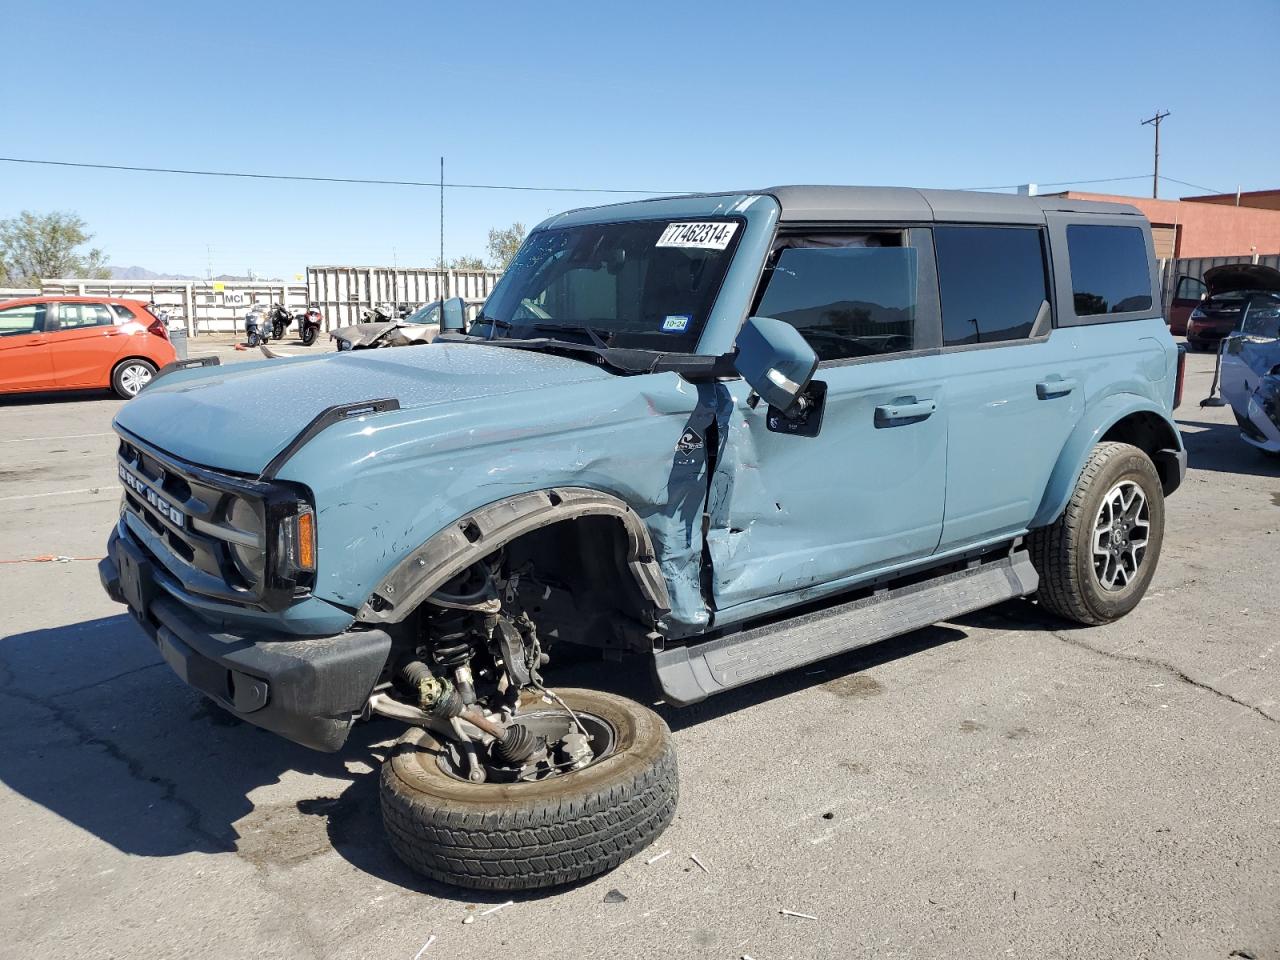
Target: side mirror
point(775, 361)
point(453, 315)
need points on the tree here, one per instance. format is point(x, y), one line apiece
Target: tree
point(34, 246)
point(467, 263)
point(503, 244)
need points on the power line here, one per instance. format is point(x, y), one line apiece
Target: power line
point(1196, 185)
point(439, 184)
point(1060, 183)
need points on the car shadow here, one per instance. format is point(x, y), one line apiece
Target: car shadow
point(102, 734)
point(61, 396)
point(1218, 447)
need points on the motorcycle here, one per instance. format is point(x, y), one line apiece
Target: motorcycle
point(280, 318)
point(309, 324)
point(255, 331)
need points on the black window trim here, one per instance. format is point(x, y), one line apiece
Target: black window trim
point(1058, 223)
point(928, 306)
point(1046, 254)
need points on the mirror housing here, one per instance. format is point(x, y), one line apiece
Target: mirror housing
point(453, 315)
point(775, 360)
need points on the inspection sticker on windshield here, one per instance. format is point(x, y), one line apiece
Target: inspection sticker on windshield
point(701, 236)
point(677, 323)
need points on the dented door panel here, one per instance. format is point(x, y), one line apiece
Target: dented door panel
point(792, 513)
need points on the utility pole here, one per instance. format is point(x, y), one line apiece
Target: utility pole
point(444, 292)
point(1155, 176)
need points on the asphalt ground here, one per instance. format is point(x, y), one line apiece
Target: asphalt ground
point(1004, 786)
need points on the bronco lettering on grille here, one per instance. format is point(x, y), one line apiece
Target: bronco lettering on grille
point(158, 503)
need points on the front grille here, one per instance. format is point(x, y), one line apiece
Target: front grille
point(179, 513)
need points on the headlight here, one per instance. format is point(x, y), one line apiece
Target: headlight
point(1197, 314)
point(251, 560)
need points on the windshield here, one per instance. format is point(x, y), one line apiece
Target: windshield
point(427, 313)
point(1262, 317)
point(645, 285)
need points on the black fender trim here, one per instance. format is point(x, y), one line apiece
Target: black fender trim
point(483, 531)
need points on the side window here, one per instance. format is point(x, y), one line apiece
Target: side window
point(992, 280)
point(27, 318)
point(123, 312)
point(74, 315)
point(1109, 269)
point(1189, 288)
point(849, 295)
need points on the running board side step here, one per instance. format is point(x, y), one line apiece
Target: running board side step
point(689, 674)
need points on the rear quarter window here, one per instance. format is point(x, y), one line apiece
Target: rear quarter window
point(1110, 272)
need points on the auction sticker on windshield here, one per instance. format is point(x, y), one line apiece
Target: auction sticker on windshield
point(701, 236)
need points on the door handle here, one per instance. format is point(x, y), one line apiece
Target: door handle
point(1046, 389)
point(907, 409)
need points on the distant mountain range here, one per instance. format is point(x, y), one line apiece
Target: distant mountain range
point(143, 275)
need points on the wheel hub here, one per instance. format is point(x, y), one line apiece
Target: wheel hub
point(1121, 531)
point(563, 748)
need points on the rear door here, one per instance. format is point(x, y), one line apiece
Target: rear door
point(24, 348)
point(1015, 390)
point(84, 345)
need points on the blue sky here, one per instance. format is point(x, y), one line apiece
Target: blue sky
point(653, 96)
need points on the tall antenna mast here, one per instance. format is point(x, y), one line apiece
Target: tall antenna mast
point(1155, 176)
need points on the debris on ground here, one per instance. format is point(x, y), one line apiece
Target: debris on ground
point(48, 558)
point(430, 940)
point(801, 916)
point(694, 858)
point(615, 896)
point(652, 860)
point(501, 906)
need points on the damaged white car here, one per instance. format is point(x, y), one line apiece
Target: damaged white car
point(1250, 374)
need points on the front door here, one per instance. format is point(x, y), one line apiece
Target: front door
point(793, 515)
point(24, 348)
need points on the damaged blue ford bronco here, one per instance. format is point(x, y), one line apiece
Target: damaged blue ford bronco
point(727, 435)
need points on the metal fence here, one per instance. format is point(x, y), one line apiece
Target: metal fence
point(211, 306)
point(342, 292)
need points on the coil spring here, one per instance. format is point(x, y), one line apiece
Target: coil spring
point(450, 636)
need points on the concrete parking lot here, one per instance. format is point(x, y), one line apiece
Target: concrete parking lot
point(1003, 786)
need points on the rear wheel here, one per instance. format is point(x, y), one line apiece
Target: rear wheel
point(128, 379)
point(535, 833)
point(1097, 559)
point(277, 331)
point(308, 335)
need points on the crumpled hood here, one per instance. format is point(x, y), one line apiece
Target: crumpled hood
point(238, 417)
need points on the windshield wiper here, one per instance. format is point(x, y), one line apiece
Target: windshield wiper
point(596, 339)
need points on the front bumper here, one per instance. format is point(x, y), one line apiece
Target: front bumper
point(307, 690)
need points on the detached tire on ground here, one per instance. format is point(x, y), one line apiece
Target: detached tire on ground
point(1097, 559)
point(523, 836)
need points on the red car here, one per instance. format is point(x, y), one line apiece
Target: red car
point(76, 343)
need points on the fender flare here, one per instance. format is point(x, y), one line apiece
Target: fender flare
point(1092, 427)
point(482, 531)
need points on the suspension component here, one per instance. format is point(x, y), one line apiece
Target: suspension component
point(441, 700)
point(517, 746)
point(436, 696)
